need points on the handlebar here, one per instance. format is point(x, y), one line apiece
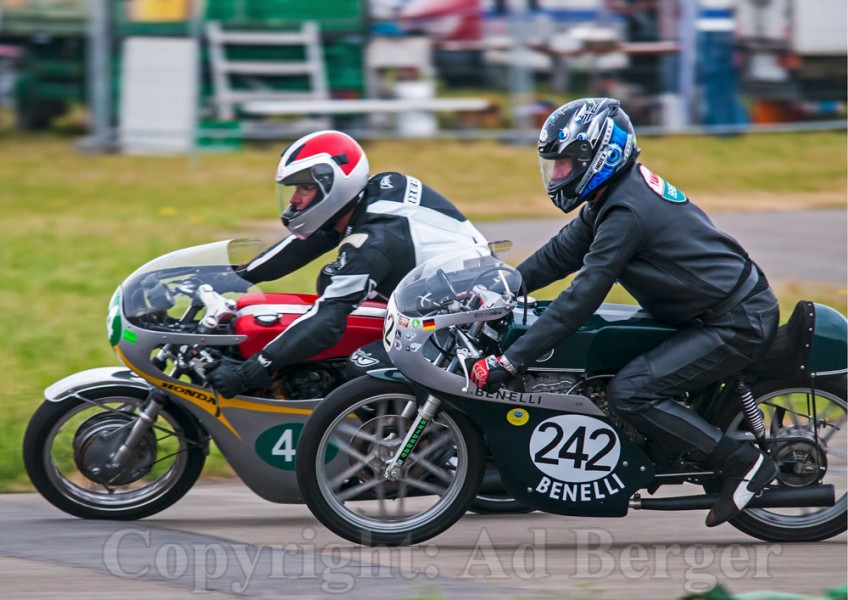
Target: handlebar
point(217, 307)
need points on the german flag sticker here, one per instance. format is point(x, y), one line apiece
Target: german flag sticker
point(428, 324)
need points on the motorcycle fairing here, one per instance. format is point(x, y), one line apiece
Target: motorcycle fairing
point(251, 432)
point(560, 462)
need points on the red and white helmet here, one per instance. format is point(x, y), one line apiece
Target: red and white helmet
point(336, 163)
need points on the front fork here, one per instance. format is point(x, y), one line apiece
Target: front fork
point(424, 416)
point(147, 415)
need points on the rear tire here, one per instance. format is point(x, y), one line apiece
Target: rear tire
point(361, 423)
point(785, 408)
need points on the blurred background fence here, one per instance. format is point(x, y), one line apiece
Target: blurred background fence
point(181, 75)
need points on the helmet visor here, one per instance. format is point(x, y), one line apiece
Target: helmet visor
point(298, 198)
point(304, 189)
point(564, 167)
point(556, 172)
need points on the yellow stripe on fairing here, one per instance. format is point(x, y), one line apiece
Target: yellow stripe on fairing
point(161, 383)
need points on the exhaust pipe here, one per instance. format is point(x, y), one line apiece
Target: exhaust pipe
point(821, 495)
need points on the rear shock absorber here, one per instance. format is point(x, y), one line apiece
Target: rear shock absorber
point(753, 415)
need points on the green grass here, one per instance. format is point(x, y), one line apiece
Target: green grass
point(74, 226)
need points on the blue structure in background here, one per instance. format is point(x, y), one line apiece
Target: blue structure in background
point(718, 74)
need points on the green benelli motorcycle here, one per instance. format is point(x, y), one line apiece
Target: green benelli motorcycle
point(557, 446)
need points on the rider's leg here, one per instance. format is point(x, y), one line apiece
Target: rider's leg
point(642, 393)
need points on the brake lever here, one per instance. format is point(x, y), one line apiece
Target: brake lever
point(464, 355)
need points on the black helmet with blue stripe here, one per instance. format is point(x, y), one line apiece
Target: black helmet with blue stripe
point(582, 146)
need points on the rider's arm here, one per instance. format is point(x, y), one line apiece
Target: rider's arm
point(616, 241)
point(561, 256)
point(351, 281)
point(287, 256)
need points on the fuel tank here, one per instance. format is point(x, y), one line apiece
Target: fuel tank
point(612, 337)
point(262, 317)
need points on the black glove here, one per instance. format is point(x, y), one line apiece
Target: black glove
point(228, 281)
point(490, 373)
point(231, 379)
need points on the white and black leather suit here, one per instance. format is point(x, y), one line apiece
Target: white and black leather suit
point(646, 235)
point(397, 224)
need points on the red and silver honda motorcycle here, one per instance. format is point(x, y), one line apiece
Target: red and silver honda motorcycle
point(127, 442)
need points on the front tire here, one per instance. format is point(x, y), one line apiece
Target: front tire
point(345, 447)
point(787, 409)
point(66, 442)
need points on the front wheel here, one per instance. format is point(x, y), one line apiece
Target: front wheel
point(809, 441)
point(68, 446)
point(348, 442)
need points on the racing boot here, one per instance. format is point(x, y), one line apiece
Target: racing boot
point(746, 472)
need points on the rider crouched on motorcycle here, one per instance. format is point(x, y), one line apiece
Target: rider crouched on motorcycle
point(637, 229)
point(383, 226)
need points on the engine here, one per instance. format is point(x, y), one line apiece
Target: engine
point(306, 381)
point(594, 389)
point(549, 383)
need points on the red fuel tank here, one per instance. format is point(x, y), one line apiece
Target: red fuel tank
point(262, 317)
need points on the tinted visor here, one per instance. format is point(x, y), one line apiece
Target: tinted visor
point(562, 168)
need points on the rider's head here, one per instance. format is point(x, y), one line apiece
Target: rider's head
point(582, 145)
point(318, 179)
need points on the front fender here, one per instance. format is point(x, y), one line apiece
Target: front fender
point(91, 379)
point(388, 375)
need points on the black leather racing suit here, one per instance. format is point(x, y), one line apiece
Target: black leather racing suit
point(646, 235)
point(397, 224)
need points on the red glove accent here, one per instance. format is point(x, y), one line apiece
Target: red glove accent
point(489, 374)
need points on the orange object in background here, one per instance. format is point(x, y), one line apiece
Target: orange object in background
point(158, 11)
point(769, 111)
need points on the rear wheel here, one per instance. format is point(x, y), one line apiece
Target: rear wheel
point(348, 442)
point(68, 446)
point(809, 441)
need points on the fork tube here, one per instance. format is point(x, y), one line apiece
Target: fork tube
point(146, 417)
point(425, 415)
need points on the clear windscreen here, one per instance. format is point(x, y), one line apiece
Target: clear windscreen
point(150, 289)
point(442, 283)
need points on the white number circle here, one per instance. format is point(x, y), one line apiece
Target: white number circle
point(575, 448)
point(389, 325)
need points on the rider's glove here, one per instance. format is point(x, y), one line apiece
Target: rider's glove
point(228, 281)
point(490, 373)
point(231, 379)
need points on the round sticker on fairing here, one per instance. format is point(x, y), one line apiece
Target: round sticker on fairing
point(575, 448)
point(517, 417)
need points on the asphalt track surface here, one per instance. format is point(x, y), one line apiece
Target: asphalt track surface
point(226, 542)
point(222, 541)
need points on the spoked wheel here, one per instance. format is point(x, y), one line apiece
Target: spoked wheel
point(344, 450)
point(68, 448)
point(809, 441)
